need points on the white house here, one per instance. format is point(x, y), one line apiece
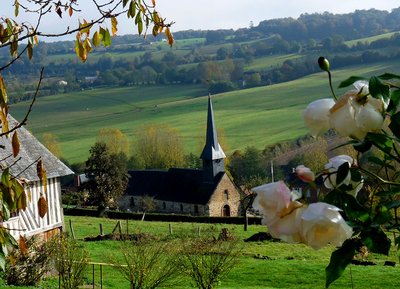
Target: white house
point(28, 222)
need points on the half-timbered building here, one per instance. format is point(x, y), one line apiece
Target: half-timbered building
point(28, 222)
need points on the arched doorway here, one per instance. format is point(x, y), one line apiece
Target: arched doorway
point(226, 211)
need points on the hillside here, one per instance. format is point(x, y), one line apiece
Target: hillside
point(250, 117)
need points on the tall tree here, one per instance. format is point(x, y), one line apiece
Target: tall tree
point(116, 140)
point(107, 174)
point(50, 142)
point(159, 147)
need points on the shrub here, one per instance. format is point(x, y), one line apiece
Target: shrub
point(27, 266)
point(148, 264)
point(70, 260)
point(206, 260)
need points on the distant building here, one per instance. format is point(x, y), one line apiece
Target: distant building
point(28, 222)
point(207, 192)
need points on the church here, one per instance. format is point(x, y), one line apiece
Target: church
point(200, 192)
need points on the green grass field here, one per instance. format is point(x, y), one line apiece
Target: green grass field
point(291, 266)
point(353, 42)
point(251, 117)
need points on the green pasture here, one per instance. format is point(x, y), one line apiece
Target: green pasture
point(251, 117)
point(268, 62)
point(291, 266)
point(353, 42)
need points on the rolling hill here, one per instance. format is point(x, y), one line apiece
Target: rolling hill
point(251, 117)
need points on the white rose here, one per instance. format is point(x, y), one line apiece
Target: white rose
point(271, 200)
point(287, 228)
point(316, 116)
point(330, 178)
point(356, 113)
point(322, 224)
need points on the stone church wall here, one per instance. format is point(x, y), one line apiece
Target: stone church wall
point(225, 196)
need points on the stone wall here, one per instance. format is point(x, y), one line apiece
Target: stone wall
point(225, 196)
point(134, 204)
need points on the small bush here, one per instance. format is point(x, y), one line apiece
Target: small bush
point(27, 267)
point(70, 260)
point(206, 260)
point(148, 264)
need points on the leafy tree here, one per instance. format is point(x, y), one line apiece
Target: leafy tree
point(107, 175)
point(248, 169)
point(116, 141)
point(50, 142)
point(159, 147)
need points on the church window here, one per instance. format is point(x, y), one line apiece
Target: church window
point(164, 205)
point(132, 202)
point(226, 194)
point(181, 208)
point(196, 209)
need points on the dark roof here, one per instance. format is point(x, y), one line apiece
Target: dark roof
point(30, 150)
point(175, 185)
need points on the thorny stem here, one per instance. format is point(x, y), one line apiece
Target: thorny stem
point(371, 174)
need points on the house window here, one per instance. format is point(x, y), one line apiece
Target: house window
point(196, 209)
point(164, 206)
point(181, 208)
point(226, 194)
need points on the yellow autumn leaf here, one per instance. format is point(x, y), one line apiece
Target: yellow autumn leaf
point(114, 24)
point(15, 144)
point(96, 39)
point(169, 36)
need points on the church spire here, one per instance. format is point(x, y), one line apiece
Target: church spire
point(212, 155)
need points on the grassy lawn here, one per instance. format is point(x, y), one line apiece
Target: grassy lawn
point(289, 265)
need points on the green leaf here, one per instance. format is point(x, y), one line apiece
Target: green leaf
point(395, 124)
point(139, 22)
point(132, 10)
point(339, 261)
point(378, 89)
point(376, 160)
point(380, 141)
point(394, 101)
point(105, 37)
point(387, 76)
point(382, 214)
point(376, 240)
point(2, 259)
point(362, 146)
point(393, 204)
point(342, 173)
point(350, 81)
point(355, 176)
point(124, 2)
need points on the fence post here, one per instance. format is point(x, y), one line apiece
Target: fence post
point(71, 228)
point(127, 228)
point(101, 276)
point(101, 229)
point(170, 229)
point(198, 231)
point(93, 276)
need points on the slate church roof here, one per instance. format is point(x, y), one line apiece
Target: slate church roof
point(175, 185)
point(30, 150)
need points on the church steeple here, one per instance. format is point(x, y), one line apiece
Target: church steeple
point(212, 155)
